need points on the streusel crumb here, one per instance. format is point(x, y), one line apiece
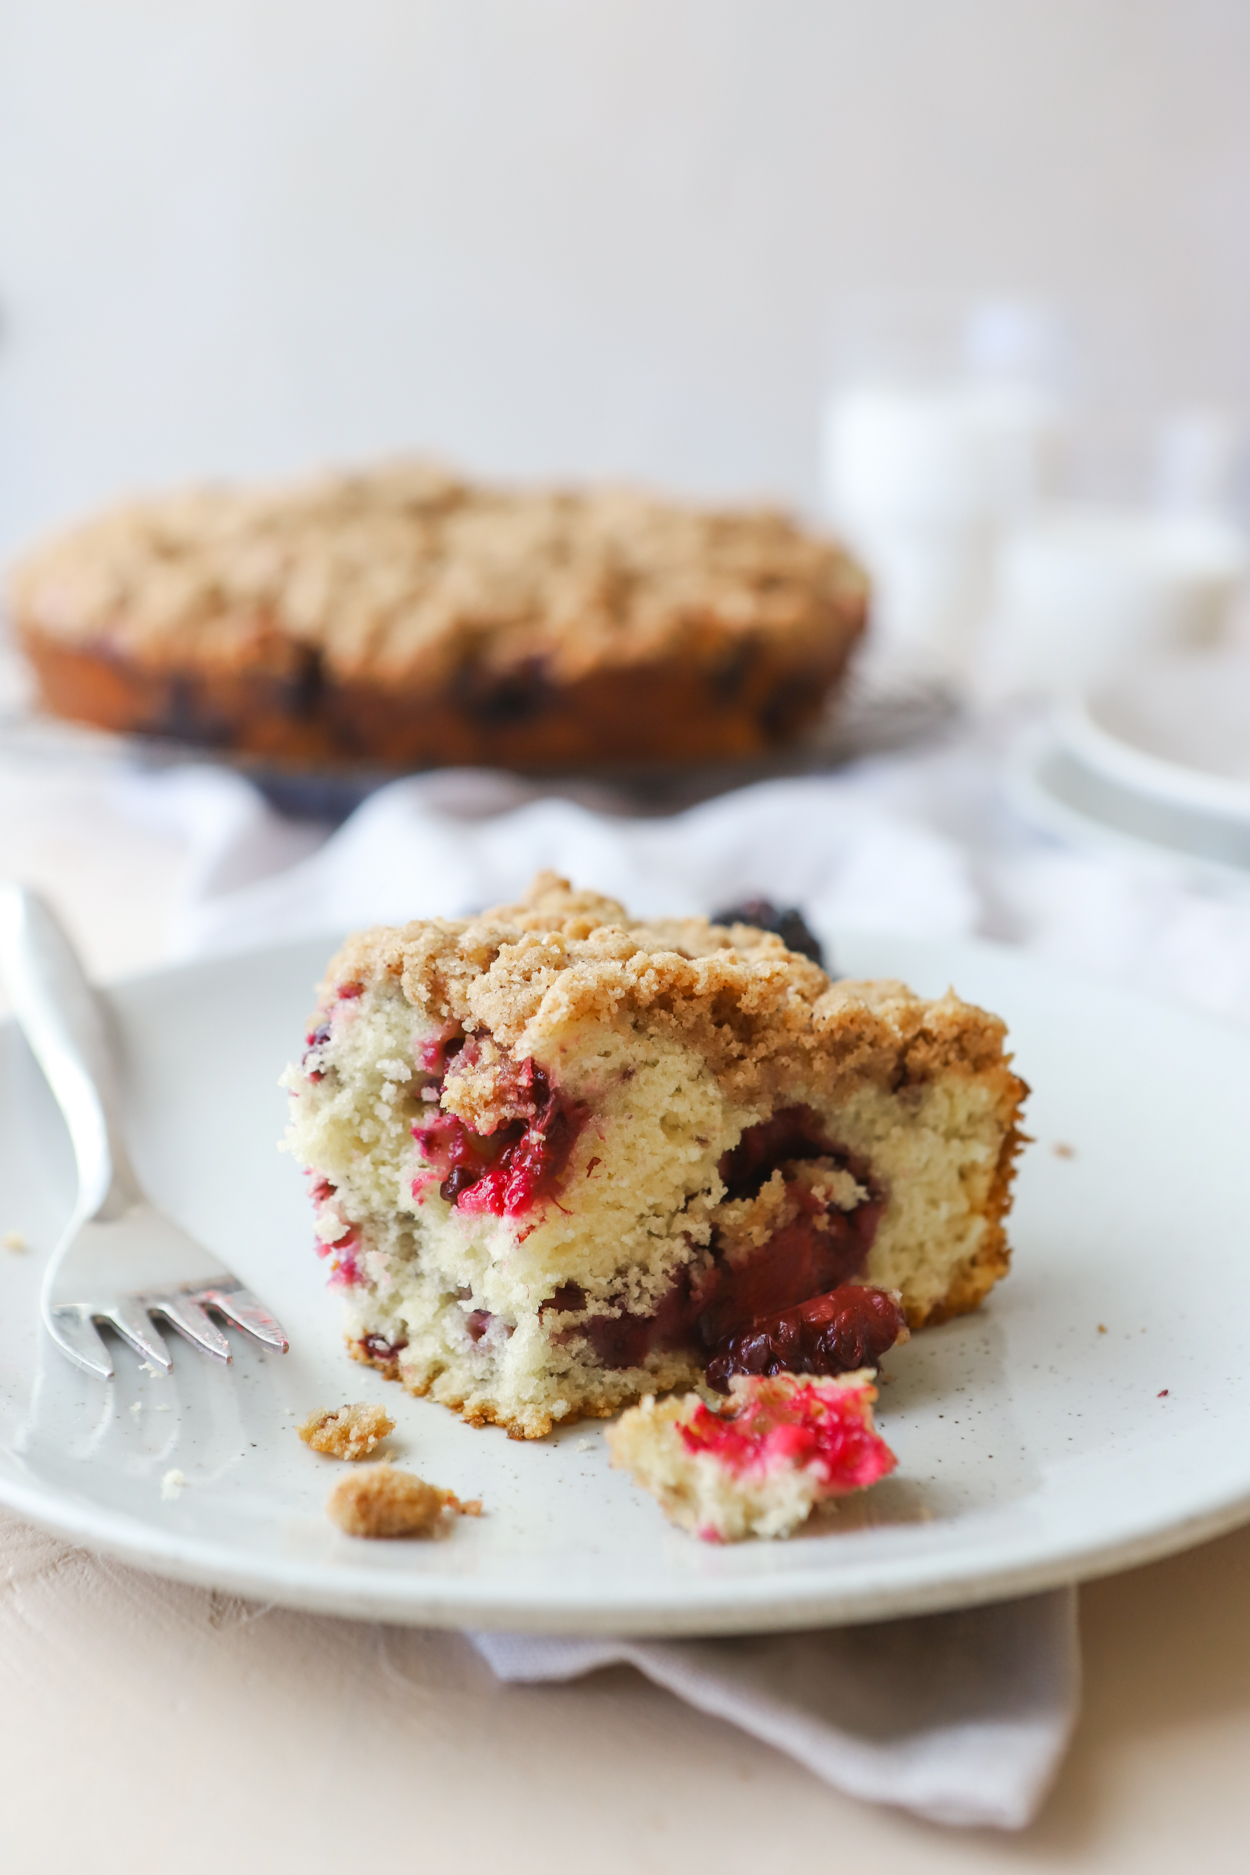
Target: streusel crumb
point(381, 1501)
point(405, 569)
point(348, 1431)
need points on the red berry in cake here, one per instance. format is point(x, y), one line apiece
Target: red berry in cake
point(315, 1040)
point(511, 1169)
point(850, 1328)
point(344, 1255)
point(437, 1051)
point(790, 1137)
point(810, 1247)
point(378, 1350)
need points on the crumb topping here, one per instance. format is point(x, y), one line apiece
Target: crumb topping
point(381, 1501)
point(405, 571)
point(348, 1431)
point(768, 1021)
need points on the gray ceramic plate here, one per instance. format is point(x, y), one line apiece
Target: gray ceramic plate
point(1093, 1415)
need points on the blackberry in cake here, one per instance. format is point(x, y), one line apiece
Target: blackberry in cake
point(759, 1465)
point(561, 1158)
point(405, 618)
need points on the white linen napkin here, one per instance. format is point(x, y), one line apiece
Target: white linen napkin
point(921, 844)
point(962, 1718)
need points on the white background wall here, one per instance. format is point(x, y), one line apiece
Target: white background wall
point(579, 235)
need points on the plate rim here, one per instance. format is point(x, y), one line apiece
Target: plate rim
point(758, 1606)
point(1026, 783)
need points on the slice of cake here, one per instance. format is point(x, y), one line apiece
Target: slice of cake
point(560, 1158)
point(347, 1431)
point(401, 616)
point(759, 1465)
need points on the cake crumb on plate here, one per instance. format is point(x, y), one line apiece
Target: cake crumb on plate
point(381, 1501)
point(347, 1431)
point(172, 1483)
point(560, 1158)
point(782, 1444)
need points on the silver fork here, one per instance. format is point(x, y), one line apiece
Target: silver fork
point(120, 1260)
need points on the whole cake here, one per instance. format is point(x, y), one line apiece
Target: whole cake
point(561, 1158)
point(406, 618)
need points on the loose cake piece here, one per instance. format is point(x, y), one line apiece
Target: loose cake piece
point(381, 1501)
point(561, 1158)
point(347, 1432)
point(402, 616)
point(760, 1464)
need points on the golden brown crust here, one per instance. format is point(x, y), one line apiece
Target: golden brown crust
point(539, 1423)
point(380, 1501)
point(769, 1023)
point(661, 714)
point(405, 617)
point(972, 1280)
point(347, 1431)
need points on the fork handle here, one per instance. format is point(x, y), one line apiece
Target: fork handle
point(62, 1019)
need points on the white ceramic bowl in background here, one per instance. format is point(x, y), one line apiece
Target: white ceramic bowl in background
point(1085, 590)
point(1175, 728)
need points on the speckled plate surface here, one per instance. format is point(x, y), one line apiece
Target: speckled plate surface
point(1093, 1415)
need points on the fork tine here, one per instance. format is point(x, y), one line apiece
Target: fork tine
point(246, 1311)
point(131, 1320)
point(77, 1336)
point(185, 1314)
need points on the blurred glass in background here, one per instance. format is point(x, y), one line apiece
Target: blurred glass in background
point(953, 450)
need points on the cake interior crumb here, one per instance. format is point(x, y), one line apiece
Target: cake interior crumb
point(14, 1240)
